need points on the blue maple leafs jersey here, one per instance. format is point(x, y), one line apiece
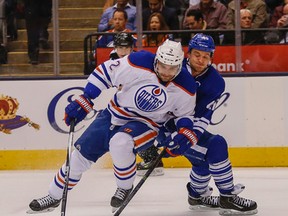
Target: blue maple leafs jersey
point(210, 86)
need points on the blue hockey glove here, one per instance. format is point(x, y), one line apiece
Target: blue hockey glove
point(78, 109)
point(180, 143)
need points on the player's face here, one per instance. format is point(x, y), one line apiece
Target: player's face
point(199, 60)
point(123, 51)
point(166, 72)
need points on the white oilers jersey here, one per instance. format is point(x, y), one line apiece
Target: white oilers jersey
point(141, 95)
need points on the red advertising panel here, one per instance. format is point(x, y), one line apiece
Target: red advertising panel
point(261, 58)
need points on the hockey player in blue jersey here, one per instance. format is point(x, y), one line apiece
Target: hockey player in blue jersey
point(209, 157)
point(151, 90)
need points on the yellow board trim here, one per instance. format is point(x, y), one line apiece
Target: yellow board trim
point(53, 159)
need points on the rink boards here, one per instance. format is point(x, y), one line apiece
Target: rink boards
point(251, 115)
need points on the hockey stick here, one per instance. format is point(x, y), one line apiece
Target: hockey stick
point(140, 183)
point(67, 168)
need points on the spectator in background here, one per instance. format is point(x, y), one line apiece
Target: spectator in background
point(106, 21)
point(178, 5)
point(214, 13)
point(119, 21)
point(273, 36)
point(195, 2)
point(10, 10)
point(37, 17)
point(156, 22)
point(283, 23)
point(194, 21)
point(277, 14)
point(257, 8)
point(169, 14)
point(272, 4)
point(248, 37)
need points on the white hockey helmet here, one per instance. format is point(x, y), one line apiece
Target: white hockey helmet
point(169, 53)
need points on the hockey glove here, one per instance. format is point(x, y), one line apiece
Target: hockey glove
point(78, 109)
point(180, 143)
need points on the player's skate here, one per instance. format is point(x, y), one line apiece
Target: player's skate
point(143, 166)
point(44, 204)
point(232, 204)
point(204, 201)
point(118, 198)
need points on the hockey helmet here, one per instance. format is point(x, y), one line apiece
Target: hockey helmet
point(123, 39)
point(202, 42)
point(169, 53)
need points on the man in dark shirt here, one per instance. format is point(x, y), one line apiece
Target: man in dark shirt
point(169, 14)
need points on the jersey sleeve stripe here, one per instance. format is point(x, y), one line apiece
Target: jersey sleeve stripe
point(95, 79)
point(106, 72)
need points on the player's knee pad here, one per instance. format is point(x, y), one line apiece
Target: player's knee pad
point(218, 149)
point(78, 164)
point(124, 160)
point(121, 148)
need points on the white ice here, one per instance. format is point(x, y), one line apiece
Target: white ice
point(159, 196)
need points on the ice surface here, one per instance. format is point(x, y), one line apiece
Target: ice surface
point(159, 196)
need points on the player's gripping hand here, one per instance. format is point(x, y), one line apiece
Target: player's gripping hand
point(78, 109)
point(181, 142)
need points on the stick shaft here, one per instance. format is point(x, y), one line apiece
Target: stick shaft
point(67, 168)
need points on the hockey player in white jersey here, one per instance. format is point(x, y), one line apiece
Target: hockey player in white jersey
point(152, 90)
point(209, 157)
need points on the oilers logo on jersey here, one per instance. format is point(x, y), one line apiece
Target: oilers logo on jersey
point(150, 97)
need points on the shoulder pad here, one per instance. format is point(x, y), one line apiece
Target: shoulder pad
point(185, 81)
point(142, 59)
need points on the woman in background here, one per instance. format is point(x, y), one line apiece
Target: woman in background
point(156, 22)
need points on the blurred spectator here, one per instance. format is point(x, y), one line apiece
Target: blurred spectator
point(278, 12)
point(119, 21)
point(272, 4)
point(283, 23)
point(194, 20)
point(108, 4)
point(248, 37)
point(106, 22)
point(37, 16)
point(144, 3)
point(10, 10)
point(156, 22)
point(215, 13)
point(178, 5)
point(257, 8)
point(195, 2)
point(169, 14)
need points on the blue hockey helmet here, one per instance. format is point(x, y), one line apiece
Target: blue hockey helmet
point(202, 42)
